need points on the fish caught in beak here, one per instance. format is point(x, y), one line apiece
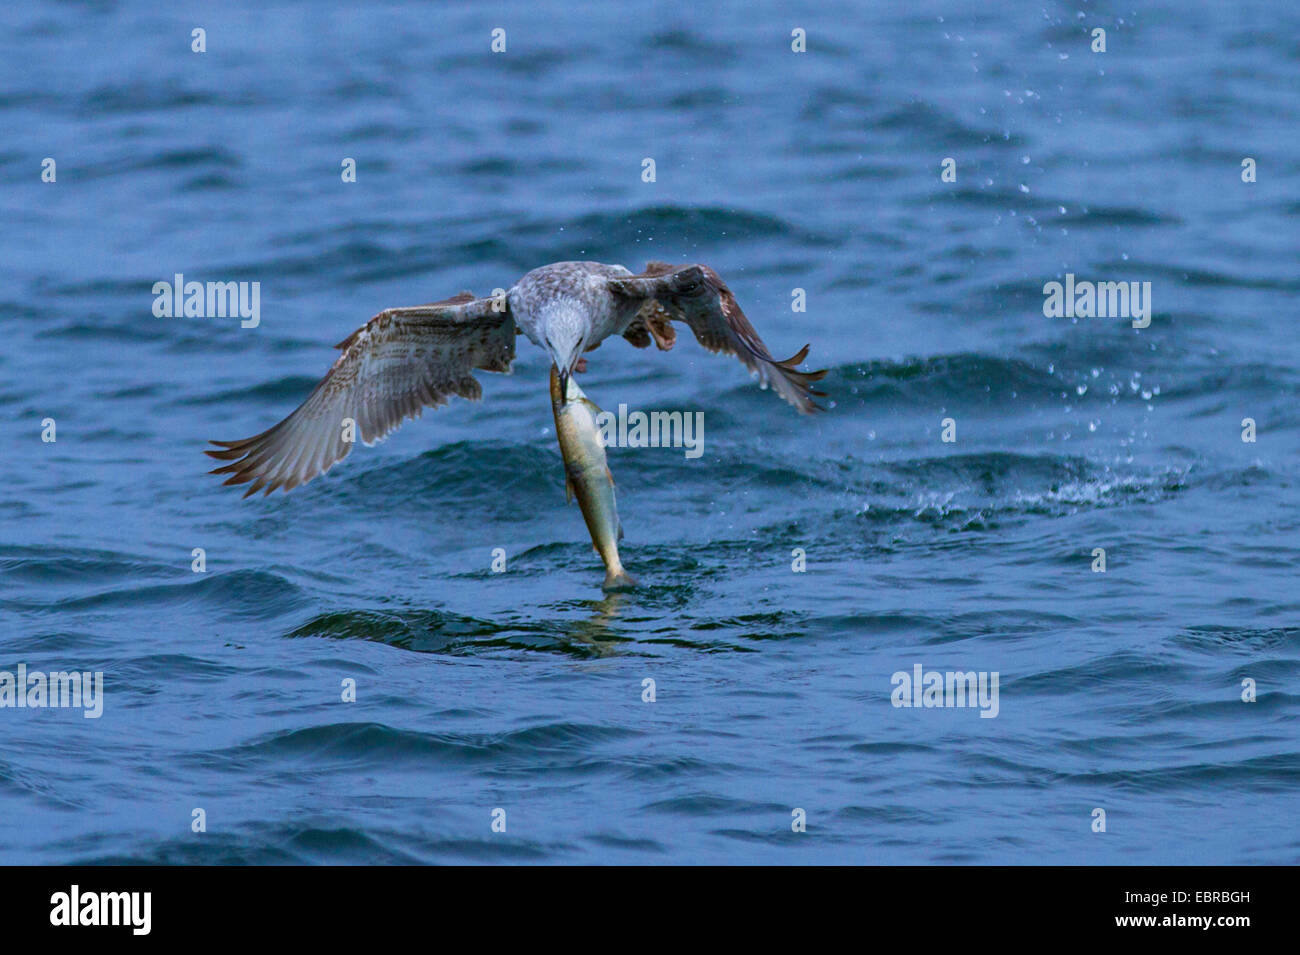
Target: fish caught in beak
point(587, 476)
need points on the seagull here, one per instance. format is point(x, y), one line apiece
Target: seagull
point(406, 359)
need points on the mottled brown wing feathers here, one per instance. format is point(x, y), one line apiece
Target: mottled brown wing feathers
point(696, 295)
point(652, 322)
point(400, 362)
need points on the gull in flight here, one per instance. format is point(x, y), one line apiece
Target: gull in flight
point(406, 359)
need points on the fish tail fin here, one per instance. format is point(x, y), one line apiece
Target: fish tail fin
point(619, 579)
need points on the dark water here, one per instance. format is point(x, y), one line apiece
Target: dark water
point(522, 690)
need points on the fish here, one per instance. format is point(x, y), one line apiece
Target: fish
point(587, 476)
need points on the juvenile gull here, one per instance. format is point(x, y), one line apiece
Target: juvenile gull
point(406, 359)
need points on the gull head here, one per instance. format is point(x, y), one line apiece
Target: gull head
point(566, 334)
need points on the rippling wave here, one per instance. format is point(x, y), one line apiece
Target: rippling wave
point(363, 670)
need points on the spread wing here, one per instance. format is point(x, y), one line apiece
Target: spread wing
point(398, 363)
point(694, 294)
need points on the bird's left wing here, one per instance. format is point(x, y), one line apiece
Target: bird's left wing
point(696, 295)
point(398, 363)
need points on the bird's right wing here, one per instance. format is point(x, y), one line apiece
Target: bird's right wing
point(696, 295)
point(398, 363)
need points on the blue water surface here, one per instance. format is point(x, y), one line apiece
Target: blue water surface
point(524, 690)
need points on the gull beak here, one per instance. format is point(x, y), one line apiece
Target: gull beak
point(565, 359)
point(566, 371)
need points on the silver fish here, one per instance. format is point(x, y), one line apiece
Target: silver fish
point(587, 475)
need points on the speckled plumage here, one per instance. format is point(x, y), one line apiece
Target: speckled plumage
point(544, 295)
point(406, 359)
